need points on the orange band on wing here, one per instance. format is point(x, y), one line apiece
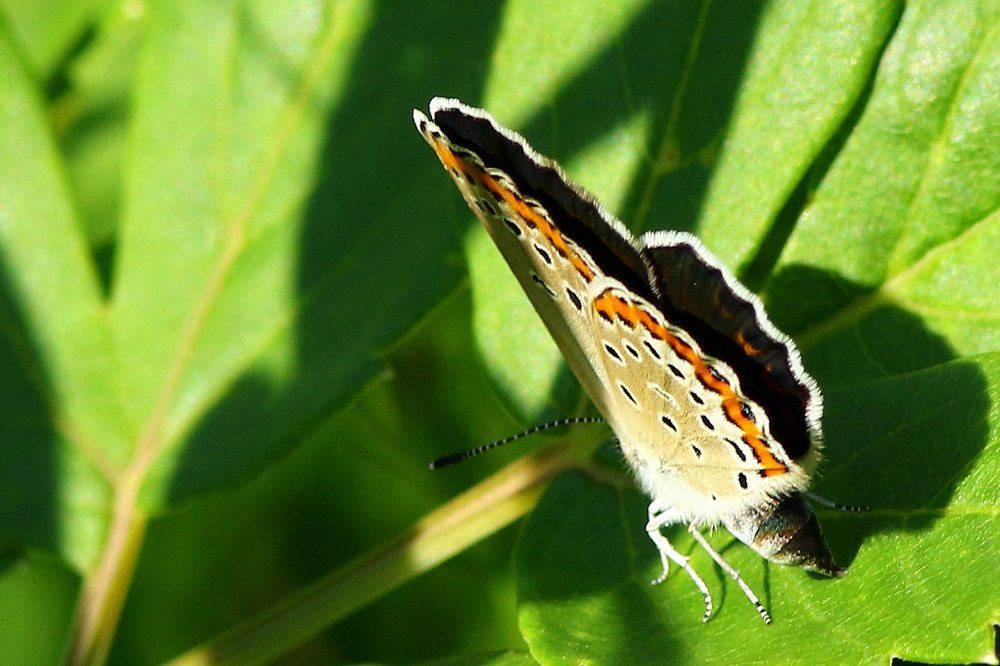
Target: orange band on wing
point(454, 162)
point(612, 307)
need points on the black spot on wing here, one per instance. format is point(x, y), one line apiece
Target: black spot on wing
point(695, 296)
point(736, 447)
point(574, 299)
point(541, 283)
point(573, 210)
point(487, 205)
point(628, 394)
point(613, 353)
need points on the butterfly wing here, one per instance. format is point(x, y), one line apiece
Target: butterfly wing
point(632, 326)
point(526, 222)
point(731, 323)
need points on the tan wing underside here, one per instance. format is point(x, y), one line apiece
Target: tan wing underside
point(674, 429)
point(569, 326)
point(625, 371)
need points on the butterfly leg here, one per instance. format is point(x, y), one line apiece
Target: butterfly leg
point(733, 573)
point(658, 518)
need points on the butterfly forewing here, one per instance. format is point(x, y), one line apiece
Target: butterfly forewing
point(552, 269)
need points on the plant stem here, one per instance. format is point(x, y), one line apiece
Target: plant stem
point(103, 594)
point(479, 512)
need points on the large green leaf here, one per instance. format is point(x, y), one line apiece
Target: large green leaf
point(61, 399)
point(216, 217)
point(889, 283)
point(47, 32)
point(920, 584)
point(264, 259)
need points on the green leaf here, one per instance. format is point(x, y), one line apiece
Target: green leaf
point(62, 427)
point(217, 224)
point(584, 562)
point(896, 242)
point(46, 32)
point(600, 140)
point(888, 281)
point(266, 256)
point(582, 593)
point(808, 68)
point(499, 659)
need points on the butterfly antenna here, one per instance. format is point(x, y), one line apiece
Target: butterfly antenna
point(830, 504)
point(453, 458)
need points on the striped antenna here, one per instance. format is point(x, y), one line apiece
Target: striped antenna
point(830, 504)
point(453, 458)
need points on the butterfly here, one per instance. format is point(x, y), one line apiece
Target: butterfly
point(709, 401)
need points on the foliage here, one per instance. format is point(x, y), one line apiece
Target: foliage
point(234, 326)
